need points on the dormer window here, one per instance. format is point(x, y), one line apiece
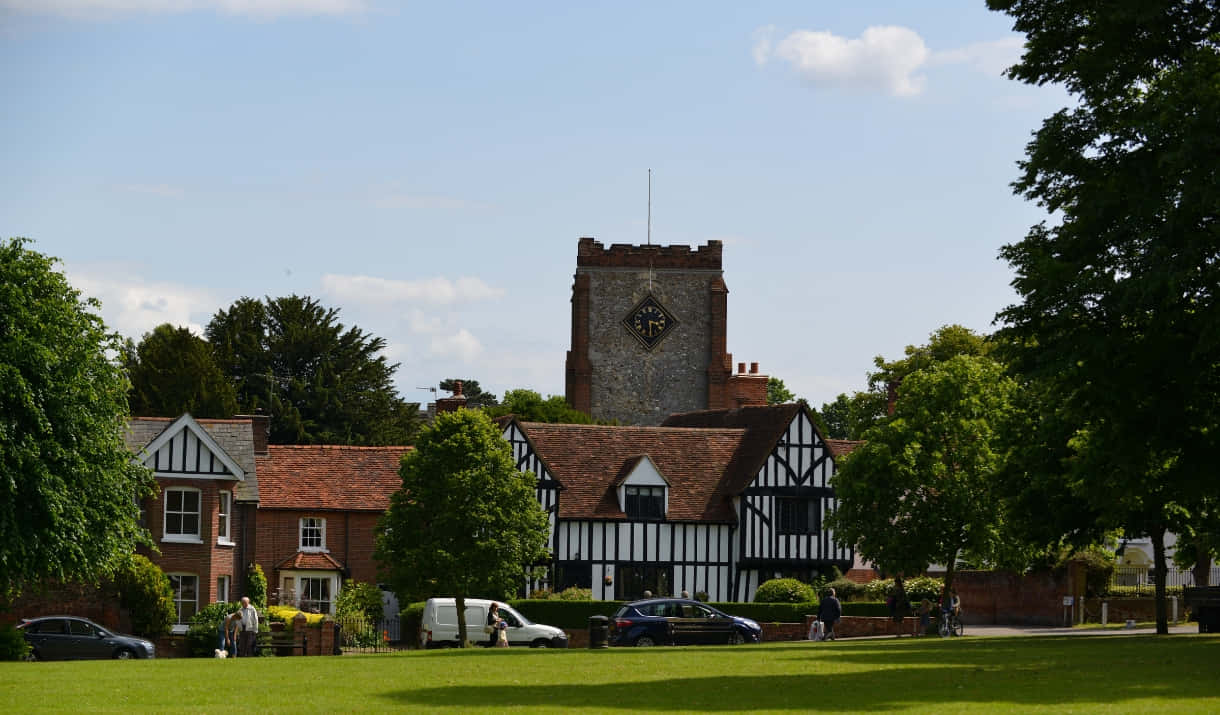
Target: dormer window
point(645, 502)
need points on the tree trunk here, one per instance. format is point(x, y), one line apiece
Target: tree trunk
point(460, 603)
point(1160, 569)
point(950, 570)
point(1203, 565)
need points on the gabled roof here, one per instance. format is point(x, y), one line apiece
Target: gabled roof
point(587, 460)
point(234, 438)
point(630, 466)
point(329, 477)
point(764, 425)
point(310, 561)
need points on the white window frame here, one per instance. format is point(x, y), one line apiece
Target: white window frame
point(175, 582)
point(224, 584)
point(321, 526)
point(224, 518)
point(325, 579)
point(298, 590)
point(184, 538)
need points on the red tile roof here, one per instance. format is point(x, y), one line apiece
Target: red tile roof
point(328, 477)
point(587, 460)
point(310, 560)
point(843, 447)
point(764, 425)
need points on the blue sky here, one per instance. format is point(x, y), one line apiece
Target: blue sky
point(428, 168)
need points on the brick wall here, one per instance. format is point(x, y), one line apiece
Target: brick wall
point(1003, 597)
point(350, 540)
point(207, 560)
point(98, 604)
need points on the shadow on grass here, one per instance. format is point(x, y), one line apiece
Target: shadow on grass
point(1048, 671)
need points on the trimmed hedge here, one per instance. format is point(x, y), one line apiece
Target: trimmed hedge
point(784, 590)
point(574, 615)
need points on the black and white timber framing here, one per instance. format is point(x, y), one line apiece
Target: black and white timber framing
point(727, 561)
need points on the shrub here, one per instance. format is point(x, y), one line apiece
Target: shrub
point(576, 593)
point(564, 614)
point(1098, 566)
point(917, 588)
point(784, 590)
point(203, 635)
point(12, 643)
point(847, 590)
point(285, 615)
point(701, 596)
point(256, 587)
point(540, 594)
point(357, 598)
point(411, 618)
point(144, 590)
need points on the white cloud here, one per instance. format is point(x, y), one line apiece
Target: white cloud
point(133, 306)
point(252, 8)
point(461, 345)
point(987, 57)
point(885, 58)
point(383, 291)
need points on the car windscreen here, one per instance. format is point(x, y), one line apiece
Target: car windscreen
point(621, 612)
point(509, 615)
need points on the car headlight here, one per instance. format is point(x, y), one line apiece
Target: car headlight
point(753, 625)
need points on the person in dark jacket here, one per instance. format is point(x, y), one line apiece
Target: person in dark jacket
point(493, 624)
point(829, 613)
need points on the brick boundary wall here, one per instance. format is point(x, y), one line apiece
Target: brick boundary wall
point(1141, 609)
point(1008, 598)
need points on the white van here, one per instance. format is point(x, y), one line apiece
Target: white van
point(439, 626)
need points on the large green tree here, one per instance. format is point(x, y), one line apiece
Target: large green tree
point(172, 371)
point(922, 487)
point(321, 383)
point(466, 521)
point(68, 486)
point(777, 392)
point(1118, 297)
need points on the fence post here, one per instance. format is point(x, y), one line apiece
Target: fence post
point(1175, 609)
point(1105, 612)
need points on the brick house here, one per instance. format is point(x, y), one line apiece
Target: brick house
point(202, 517)
point(713, 501)
point(318, 509)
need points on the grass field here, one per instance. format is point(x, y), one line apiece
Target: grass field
point(1051, 674)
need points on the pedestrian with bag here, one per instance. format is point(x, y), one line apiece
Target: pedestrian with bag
point(829, 613)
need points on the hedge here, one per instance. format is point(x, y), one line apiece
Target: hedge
point(410, 619)
point(574, 615)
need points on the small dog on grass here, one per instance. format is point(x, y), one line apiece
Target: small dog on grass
point(222, 653)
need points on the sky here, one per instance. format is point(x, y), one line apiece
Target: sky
point(427, 168)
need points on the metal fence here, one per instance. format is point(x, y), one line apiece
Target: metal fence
point(1143, 578)
point(361, 635)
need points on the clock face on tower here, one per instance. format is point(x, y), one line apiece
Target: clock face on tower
point(648, 321)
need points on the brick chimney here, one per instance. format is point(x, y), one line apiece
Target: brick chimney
point(261, 424)
point(454, 402)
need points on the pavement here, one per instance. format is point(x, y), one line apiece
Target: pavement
point(1054, 631)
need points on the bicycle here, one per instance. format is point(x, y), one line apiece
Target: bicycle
point(950, 624)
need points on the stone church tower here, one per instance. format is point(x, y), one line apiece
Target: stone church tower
point(648, 334)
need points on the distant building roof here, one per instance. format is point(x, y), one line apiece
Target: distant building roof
point(329, 477)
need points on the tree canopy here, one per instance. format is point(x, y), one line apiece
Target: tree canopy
point(320, 382)
point(529, 406)
point(777, 392)
point(475, 397)
point(173, 371)
point(922, 487)
point(68, 486)
point(1119, 299)
point(466, 521)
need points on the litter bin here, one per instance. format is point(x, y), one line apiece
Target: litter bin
point(599, 632)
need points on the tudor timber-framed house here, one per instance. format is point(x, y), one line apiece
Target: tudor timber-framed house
point(714, 502)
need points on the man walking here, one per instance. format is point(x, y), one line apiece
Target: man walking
point(829, 613)
point(249, 627)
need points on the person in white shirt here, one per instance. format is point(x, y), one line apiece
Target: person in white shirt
point(249, 627)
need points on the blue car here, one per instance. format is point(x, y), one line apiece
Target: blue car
point(679, 621)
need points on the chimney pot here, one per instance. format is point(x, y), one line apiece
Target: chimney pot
point(753, 368)
point(457, 388)
point(741, 368)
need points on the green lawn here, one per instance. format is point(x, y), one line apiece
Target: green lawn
point(1052, 674)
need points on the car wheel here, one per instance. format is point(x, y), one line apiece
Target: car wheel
point(644, 642)
point(124, 654)
point(735, 638)
point(541, 643)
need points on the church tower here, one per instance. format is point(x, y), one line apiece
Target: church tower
point(648, 334)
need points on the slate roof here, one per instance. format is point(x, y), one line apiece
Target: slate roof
point(587, 460)
point(329, 477)
point(235, 437)
point(317, 561)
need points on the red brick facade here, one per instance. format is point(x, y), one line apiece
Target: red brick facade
point(208, 560)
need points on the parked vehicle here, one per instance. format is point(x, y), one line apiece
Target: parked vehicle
point(1204, 604)
point(439, 626)
point(72, 638)
point(679, 621)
